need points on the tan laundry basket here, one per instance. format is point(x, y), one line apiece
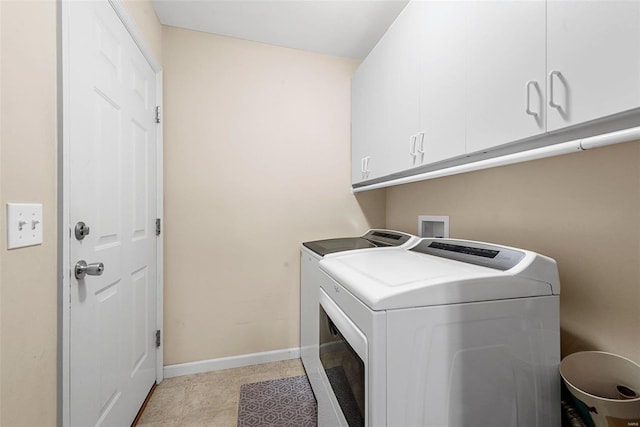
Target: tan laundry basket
point(606, 388)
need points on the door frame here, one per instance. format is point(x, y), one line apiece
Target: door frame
point(63, 202)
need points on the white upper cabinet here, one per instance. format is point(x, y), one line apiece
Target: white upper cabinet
point(369, 143)
point(593, 60)
point(505, 72)
point(442, 81)
point(398, 52)
point(454, 79)
point(385, 102)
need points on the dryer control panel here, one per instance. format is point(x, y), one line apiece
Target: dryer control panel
point(492, 256)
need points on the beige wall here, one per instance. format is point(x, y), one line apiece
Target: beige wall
point(28, 174)
point(315, 120)
point(2, 229)
point(28, 284)
point(147, 22)
point(581, 209)
point(256, 161)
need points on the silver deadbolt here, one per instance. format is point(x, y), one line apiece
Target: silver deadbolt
point(82, 230)
point(93, 269)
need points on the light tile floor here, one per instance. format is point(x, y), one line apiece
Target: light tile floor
point(209, 399)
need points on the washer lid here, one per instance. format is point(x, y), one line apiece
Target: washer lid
point(398, 278)
point(329, 246)
point(371, 239)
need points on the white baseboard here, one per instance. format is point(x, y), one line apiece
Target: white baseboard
point(202, 366)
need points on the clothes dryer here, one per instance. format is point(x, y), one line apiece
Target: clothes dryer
point(450, 333)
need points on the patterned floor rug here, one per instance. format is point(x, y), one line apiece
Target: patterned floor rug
point(285, 402)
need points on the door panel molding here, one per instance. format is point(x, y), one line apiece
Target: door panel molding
point(63, 200)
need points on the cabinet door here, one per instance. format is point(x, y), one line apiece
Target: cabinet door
point(368, 150)
point(400, 55)
point(593, 59)
point(505, 68)
point(442, 80)
point(370, 146)
point(385, 101)
point(360, 116)
point(378, 148)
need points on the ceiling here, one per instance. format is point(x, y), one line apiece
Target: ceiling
point(348, 28)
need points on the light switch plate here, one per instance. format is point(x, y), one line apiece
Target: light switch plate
point(24, 224)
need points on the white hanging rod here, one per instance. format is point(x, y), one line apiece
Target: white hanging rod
point(626, 135)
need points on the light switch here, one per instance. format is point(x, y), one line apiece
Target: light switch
point(24, 224)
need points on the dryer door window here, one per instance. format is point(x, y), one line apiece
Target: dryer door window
point(344, 369)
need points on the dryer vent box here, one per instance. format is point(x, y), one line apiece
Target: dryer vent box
point(433, 226)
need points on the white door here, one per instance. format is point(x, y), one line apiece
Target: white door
point(505, 72)
point(112, 176)
point(593, 59)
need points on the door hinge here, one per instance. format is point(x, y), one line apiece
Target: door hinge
point(158, 114)
point(158, 228)
point(158, 338)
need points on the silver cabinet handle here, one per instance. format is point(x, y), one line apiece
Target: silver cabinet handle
point(364, 167)
point(413, 148)
point(528, 106)
point(412, 145)
point(552, 103)
point(420, 145)
point(82, 269)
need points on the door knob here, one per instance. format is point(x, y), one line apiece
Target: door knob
point(93, 269)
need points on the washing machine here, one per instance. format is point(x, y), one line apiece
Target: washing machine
point(448, 333)
point(310, 255)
